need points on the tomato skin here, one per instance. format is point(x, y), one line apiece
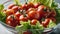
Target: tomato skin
point(12, 21)
point(17, 15)
point(33, 22)
point(53, 13)
point(30, 9)
point(27, 32)
point(40, 11)
point(22, 18)
point(10, 6)
point(32, 14)
point(9, 12)
point(46, 22)
point(15, 8)
point(36, 5)
point(30, 5)
point(24, 6)
point(53, 19)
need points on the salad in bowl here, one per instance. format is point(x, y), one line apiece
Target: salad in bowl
point(31, 17)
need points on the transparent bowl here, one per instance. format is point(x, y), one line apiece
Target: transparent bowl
point(10, 28)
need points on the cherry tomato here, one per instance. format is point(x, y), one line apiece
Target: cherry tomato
point(53, 13)
point(46, 22)
point(10, 20)
point(24, 6)
point(10, 6)
point(15, 8)
point(41, 11)
point(30, 5)
point(9, 12)
point(22, 18)
point(17, 15)
point(32, 14)
point(27, 32)
point(30, 9)
point(33, 22)
point(53, 19)
point(36, 5)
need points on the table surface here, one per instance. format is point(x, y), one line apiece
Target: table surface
point(3, 30)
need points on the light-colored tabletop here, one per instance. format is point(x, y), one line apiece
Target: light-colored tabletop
point(3, 30)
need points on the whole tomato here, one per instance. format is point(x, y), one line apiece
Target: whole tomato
point(41, 11)
point(33, 22)
point(10, 6)
point(30, 9)
point(9, 12)
point(10, 20)
point(23, 18)
point(15, 8)
point(46, 22)
point(17, 15)
point(36, 5)
point(24, 7)
point(30, 5)
point(31, 14)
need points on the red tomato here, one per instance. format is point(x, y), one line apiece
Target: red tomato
point(27, 32)
point(30, 9)
point(24, 6)
point(33, 22)
point(53, 19)
point(10, 6)
point(10, 20)
point(46, 22)
point(17, 15)
point(53, 13)
point(22, 18)
point(36, 5)
point(40, 11)
point(9, 12)
point(15, 8)
point(32, 14)
point(30, 5)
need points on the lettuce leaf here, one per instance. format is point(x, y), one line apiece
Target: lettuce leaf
point(57, 15)
point(27, 26)
point(17, 2)
point(51, 24)
point(2, 15)
point(49, 3)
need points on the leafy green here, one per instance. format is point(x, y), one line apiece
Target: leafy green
point(2, 15)
point(1, 7)
point(57, 15)
point(49, 3)
point(38, 28)
point(51, 24)
point(17, 2)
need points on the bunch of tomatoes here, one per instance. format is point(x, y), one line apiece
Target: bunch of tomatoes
point(29, 11)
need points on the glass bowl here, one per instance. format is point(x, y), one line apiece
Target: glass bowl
point(10, 28)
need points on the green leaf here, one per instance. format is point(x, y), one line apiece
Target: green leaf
point(57, 15)
point(23, 26)
point(51, 24)
point(2, 15)
point(35, 29)
point(17, 2)
point(1, 7)
point(39, 26)
point(49, 3)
